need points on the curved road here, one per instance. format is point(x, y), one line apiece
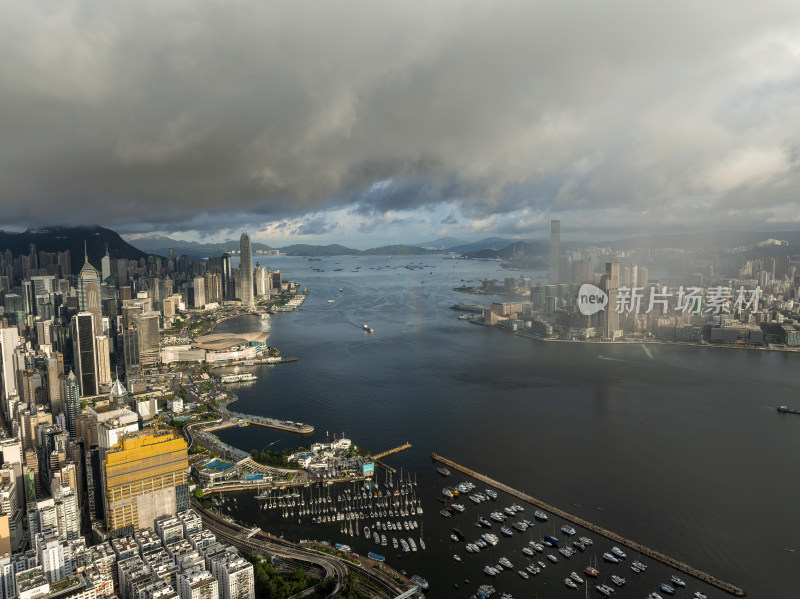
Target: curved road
point(261, 542)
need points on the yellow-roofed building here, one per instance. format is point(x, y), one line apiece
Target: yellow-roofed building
point(145, 476)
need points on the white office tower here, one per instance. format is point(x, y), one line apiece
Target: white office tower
point(246, 271)
point(197, 583)
point(235, 576)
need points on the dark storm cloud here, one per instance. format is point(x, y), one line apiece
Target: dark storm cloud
point(315, 226)
point(211, 115)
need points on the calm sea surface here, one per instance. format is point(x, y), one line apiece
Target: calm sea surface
point(678, 448)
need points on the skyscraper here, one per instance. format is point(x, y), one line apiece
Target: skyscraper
point(609, 283)
point(9, 340)
point(246, 271)
point(555, 254)
point(145, 477)
point(85, 352)
point(73, 402)
point(89, 291)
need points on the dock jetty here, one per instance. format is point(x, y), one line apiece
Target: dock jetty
point(377, 457)
point(397, 449)
point(644, 550)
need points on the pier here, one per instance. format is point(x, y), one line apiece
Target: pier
point(377, 457)
point(397, 449)
point(644, 550)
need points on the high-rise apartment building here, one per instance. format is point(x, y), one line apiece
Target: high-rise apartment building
point(9, 340)
point(145, 476)
point(555, 253)
point(246, 271)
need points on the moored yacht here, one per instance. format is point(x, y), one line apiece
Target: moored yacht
point(665, 588)
point(610, 558)
point(568, 530)
point(677, 581)
point(618, 552)
point(570, 583)
point(540, 515)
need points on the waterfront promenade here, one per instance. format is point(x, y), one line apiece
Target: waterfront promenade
point(643, 549)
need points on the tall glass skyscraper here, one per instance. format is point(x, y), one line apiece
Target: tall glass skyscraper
point(246, 271)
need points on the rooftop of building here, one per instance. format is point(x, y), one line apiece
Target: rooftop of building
point(222, 341)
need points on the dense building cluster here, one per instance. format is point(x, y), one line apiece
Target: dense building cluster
point(93, 502)
point(735, 295)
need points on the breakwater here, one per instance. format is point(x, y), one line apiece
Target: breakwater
point(643, 549)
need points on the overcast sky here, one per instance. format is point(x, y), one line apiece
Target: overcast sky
point(375, 122)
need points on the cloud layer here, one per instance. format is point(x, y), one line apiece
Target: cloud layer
point(214, 115)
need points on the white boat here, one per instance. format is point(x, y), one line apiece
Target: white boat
point(618, 552)
point(677, 581)
point(568, 530)
point(570, 583)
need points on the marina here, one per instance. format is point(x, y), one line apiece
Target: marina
point(665, 559)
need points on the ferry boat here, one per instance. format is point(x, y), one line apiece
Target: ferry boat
point(377, 557)
point(237, 377)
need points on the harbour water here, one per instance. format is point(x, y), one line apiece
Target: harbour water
point(679, 448)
